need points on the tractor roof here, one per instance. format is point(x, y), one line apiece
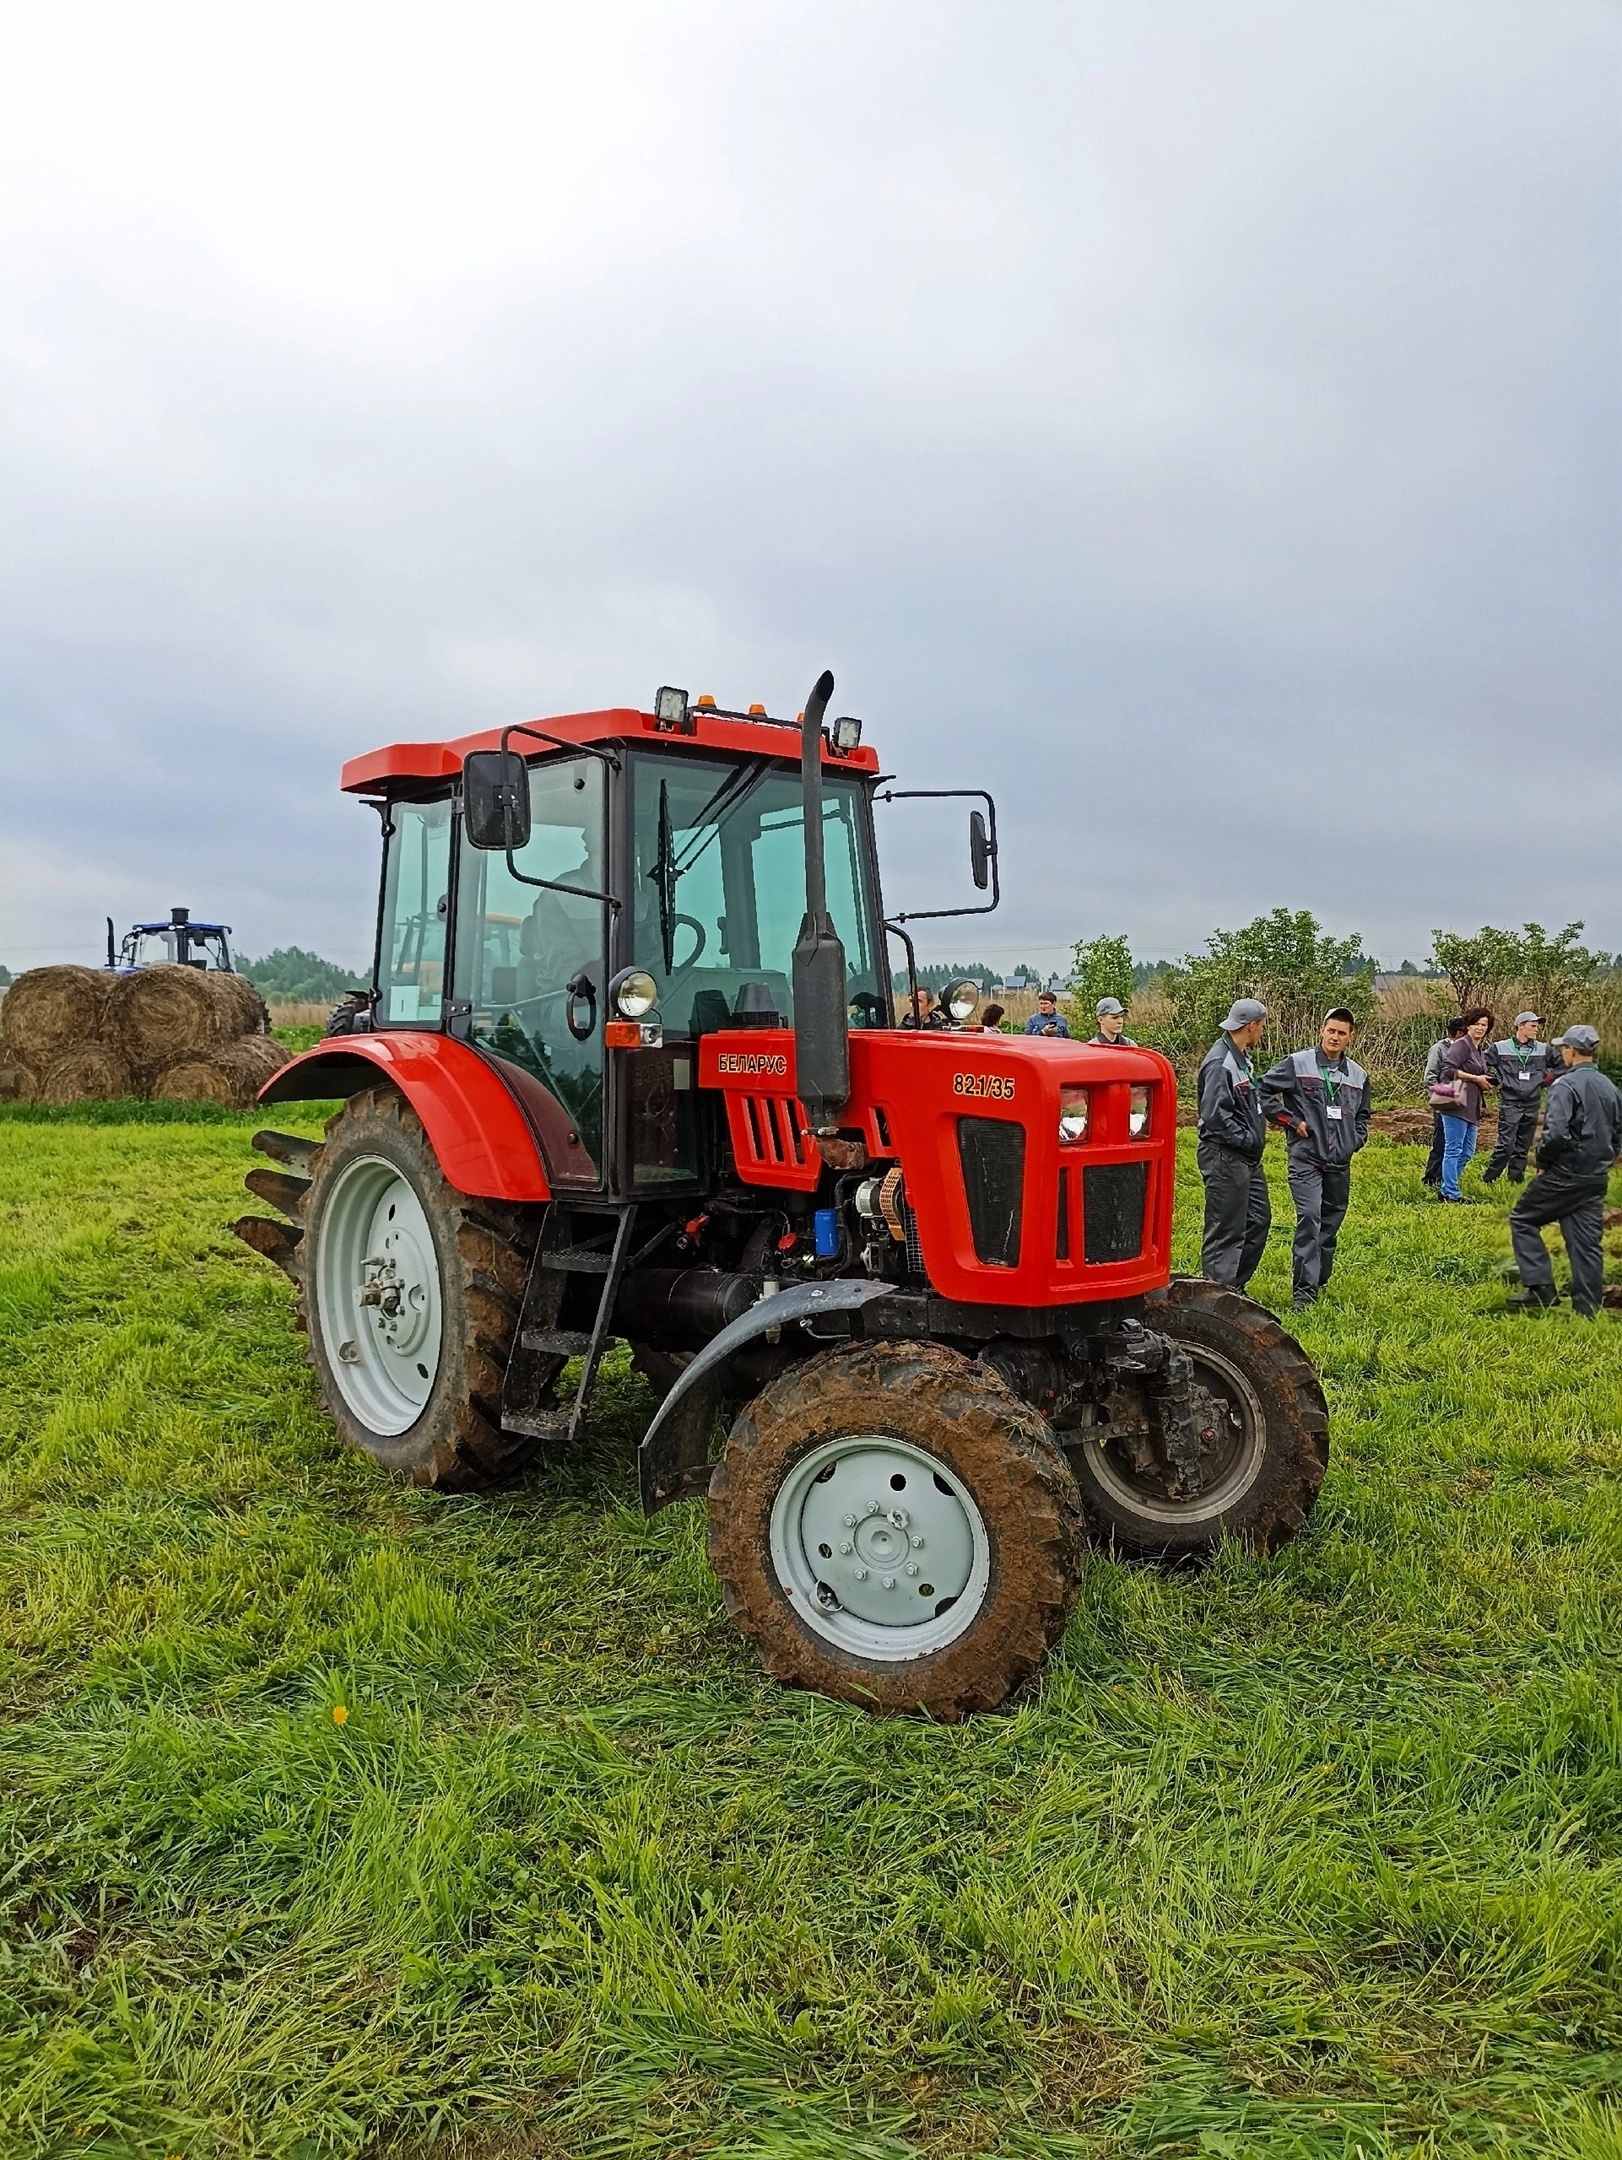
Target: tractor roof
point(193, 929)
point(741, 735)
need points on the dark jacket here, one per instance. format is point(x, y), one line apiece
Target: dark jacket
point(1463, 1056)
point(1230, 1108)
point(1522, 1069)
point(1582, 1126)
point(1307, 1088)
point(1101, 1037)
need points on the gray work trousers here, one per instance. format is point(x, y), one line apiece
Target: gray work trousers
point(1577, 1204)
point(1517, 1128)
point(1238, 1215)
point(1322, 1196)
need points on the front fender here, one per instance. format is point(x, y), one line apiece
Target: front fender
point(673, 1460)
point(480, 1137)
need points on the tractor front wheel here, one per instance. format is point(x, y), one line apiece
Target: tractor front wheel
point(894, 1527)
point(410, 1293)
point(1264, 1436)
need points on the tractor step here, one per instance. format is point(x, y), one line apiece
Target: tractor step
point(578, 1260)
point(278, 1188)
point(558, 1342)
point(540, 1424)
point(286, 1148)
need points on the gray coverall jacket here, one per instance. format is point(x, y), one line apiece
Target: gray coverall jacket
point(1108, 1045)
point(1523, 1071)
point(1582, 1137)
point(1238, 1214)
point(1331, 1097)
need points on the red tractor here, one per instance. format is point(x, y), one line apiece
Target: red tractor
point(630, 1069)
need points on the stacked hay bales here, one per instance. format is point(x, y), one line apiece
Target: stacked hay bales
point(177, 1034)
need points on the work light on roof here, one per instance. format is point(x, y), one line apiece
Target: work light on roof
point(847, 733)
point(670, 711)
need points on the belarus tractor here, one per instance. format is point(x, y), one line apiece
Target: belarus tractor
point(630, 1069)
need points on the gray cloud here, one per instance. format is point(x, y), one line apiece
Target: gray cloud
point(1199, 424)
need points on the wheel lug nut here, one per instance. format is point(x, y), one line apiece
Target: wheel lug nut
point(844, 1545)
point(911, 1568)
point(898, 1518)
point(850, 1522)
point(889, 1582)
point(860, 1573)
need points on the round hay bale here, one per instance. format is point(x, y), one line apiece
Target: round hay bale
point(232, 1074)
point(161, 1015)
point(92, 1072)
point(18, 1081)
point(49, 1010)
point(240, 998)
point(195, 1079)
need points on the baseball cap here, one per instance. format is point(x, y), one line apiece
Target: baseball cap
point(1108, 1005)
point(1582, 1038)
point(1522, 1018)
point(1244, 1011)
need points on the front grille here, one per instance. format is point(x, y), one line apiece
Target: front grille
point(1112, 1197)
point(992, 1152)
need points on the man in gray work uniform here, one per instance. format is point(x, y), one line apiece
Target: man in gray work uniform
point(1110, 1014)
point(1238, 1214)
point(1523, 1068)
point(1582, 1137)
point(1321, 1098)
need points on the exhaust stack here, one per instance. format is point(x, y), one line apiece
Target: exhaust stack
point(821, 1043)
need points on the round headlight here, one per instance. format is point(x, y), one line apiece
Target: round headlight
point(960, 999)
point(634, 993)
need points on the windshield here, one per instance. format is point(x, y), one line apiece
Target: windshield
point(718, 888)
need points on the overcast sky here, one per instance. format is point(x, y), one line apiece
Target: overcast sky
point(1197, 423)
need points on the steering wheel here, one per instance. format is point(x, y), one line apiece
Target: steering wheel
point(688, 922)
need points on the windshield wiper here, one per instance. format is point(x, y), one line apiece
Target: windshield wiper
point(667, 872)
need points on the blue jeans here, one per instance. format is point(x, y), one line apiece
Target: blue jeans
point(1459, 1144)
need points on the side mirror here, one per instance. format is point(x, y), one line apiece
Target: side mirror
point(981, 849)
point(495, 800)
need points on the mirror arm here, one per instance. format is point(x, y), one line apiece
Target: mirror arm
point(939, 794)
point(547, 884)
point(583, 749)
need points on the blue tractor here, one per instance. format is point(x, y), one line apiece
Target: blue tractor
point(179, 942)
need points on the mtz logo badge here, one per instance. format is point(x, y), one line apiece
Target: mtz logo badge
point(998, 1086)
point(753, 1061)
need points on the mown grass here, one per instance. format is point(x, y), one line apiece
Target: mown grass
point(1321, 1856)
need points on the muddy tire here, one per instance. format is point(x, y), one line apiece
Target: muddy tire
point(413, 1377)
point(1261, 1406)
point(892, 1526)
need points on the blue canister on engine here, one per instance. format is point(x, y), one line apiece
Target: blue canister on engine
point(825, 1233)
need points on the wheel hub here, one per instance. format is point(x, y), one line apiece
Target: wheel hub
point(879, 1547)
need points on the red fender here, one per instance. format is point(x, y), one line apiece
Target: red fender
point(480, 1137)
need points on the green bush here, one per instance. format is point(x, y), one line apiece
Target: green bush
point(295, 977)
point(1289, 962)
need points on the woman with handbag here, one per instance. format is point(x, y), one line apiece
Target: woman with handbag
point(1462, 1079)
point(1433, 1073)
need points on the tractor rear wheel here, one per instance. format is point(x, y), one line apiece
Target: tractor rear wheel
point(1264, 1429)
point(410, 1293)
point(894, 1527)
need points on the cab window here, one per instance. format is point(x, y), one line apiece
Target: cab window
point(416, 905)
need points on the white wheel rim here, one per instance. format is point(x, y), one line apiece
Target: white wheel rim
point(1226, 1491)
point(868, 1531)
point(377, 1296)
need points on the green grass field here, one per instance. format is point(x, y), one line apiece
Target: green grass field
point(340, 1818)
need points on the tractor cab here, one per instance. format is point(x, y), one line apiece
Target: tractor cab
point(179, 942)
